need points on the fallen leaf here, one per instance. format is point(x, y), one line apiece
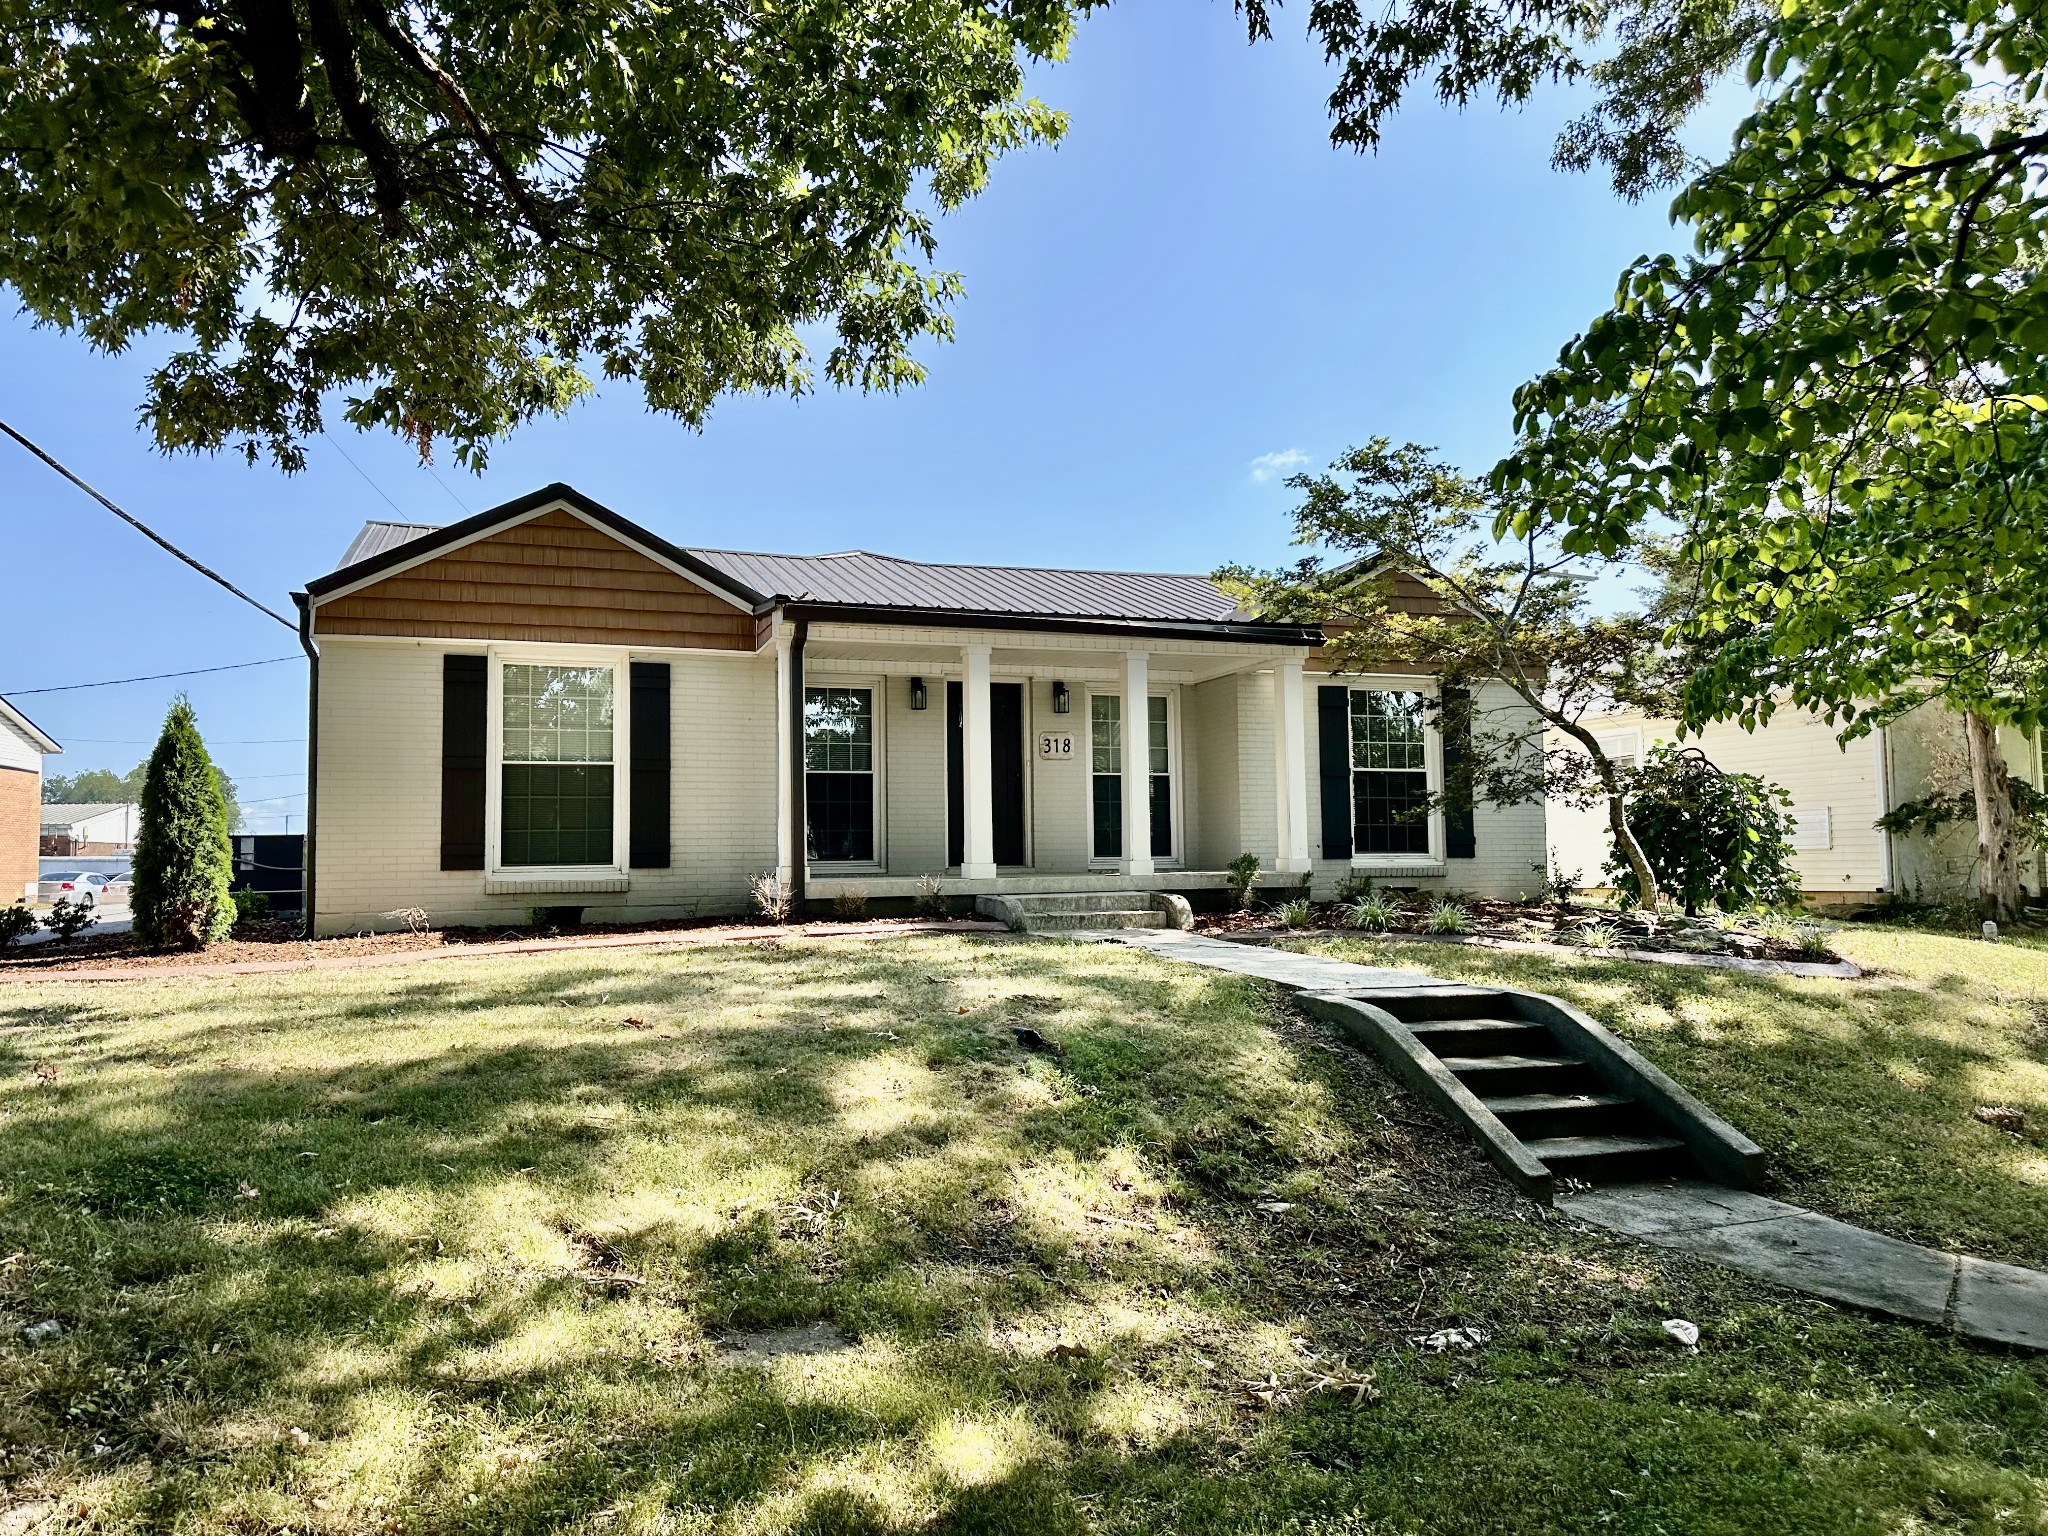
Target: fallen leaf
point(1274, 1207)
point(634, 1024)
point(1065, 1351)
point(244, 1190)
point(297, 1438)
point(1687, 1334)
point(2001, 1117)
point(1450, 1338)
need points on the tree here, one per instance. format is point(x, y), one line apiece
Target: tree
point(183, 866)
point(1842, 399)
point(1713, 837)
point(1515, 613)
point(102, 786)
point(454, 214)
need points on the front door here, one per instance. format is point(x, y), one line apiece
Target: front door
point(1006, 772)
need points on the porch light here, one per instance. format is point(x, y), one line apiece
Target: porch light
point(1061, 700)
point(917, 693)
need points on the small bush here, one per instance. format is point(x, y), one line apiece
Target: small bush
point(1242, 871)
point(930, 900)
point(1557, 887)
point(769, 897)
point(1712, 838)
point(1298, 913)
point(1812, 938)
point(67, 921)
point(1448, 917)
point(1374, 913)
point(16, 922)
point(1354, 887)
point(851, 903)
point(251, 906)
point(1597, 935)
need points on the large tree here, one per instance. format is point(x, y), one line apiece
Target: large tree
point(456, 213)
point(1842, 398)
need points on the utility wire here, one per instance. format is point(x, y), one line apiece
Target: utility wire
point(444, 486)
point(373, 485)
point(154, 677)
point(148, 532)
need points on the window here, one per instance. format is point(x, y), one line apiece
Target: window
point(556, 766)
point(1106, 764)
point(839, 774)
point(1389, 773)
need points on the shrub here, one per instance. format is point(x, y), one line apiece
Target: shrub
point(16, 922)
point(1298, 913)
point(1557, 887)
point(1448, 917)
point(68, 921)
point(182, 860)
point(1812, 938)
point(1354, 887)
point(770, 899)
point(930, 900)
point(250, 905)
point(1374, 913)
point(1242, 871)
point(1597, 935)
point(1712, 838)
point(851, 903)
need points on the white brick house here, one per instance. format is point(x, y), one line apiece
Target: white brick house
point(547, 704)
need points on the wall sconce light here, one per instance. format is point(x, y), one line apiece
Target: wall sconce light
point(917, 693)
point(1062, 701)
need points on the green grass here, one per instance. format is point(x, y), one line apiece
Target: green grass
point(478, 1240)
point(1861, 1092)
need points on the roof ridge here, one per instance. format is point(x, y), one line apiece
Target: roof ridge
point(955, 565)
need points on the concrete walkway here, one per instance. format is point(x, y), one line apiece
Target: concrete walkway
point(1795, 1247)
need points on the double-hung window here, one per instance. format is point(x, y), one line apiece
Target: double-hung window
point(839, 774)
point(1389, 773)
point(1107, 750)
point(556, 766)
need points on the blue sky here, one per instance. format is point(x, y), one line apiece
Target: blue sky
point(1193, 288)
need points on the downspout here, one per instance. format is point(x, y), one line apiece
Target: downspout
point(1884, 808)
point(799, 853)
point(312, 753)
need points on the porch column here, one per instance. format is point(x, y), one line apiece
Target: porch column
point(789, 828)
point(1290, 767)
point(978, 858)
point(1137, 859)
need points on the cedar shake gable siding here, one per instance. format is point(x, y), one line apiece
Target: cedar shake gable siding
point(552, 578)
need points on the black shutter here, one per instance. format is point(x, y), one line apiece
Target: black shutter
point(1333, 745)
point(1459, 839)
point(648, 832)
point(465, 722)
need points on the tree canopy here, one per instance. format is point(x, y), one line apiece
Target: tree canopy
point(103, 786)
point(457, 213)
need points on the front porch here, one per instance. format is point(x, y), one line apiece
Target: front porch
point(1003, 761)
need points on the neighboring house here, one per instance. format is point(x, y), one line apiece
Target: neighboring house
point(1838, 792)
point(88, 830)
point(22, 745)
point(547, 704)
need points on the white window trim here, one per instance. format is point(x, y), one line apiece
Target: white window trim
point(1175, 764)
point(1432, 767)
point(503, 655)
point(878, 692)
point(1628, 743)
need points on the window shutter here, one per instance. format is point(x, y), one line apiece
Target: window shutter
point(1460, 838)
point(1333, 748)
point(648, 831)
point(465, 724)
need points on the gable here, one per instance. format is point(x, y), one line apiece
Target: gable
point(552, 578)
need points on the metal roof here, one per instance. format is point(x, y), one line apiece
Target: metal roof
point(377, 536)
point(57, 814)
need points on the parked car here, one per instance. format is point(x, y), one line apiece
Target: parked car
point(120, 886)
point(84, 890)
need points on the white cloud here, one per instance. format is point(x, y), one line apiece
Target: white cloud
point(1273, 466)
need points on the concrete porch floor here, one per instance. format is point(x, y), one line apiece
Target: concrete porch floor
point(1031, 882)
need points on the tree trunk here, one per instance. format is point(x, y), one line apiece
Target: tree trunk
point(1998, 853)
point(1629, 848)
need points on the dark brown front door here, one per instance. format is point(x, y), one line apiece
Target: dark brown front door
point(1006, 772)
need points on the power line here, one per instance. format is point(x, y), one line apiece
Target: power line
point(150, 741)
point(148, 532)
point(444, 486)
point(154, 677)
point(373, 485)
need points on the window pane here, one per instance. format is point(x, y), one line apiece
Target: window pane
point(1162, 816)
point(1109, 816)
point(1157, 722)
point(558, 715)
point(557, 813)
point(1386, 730)
point(839, 730)
point(1105, 717)
point(1392, 812)
point(840, 811)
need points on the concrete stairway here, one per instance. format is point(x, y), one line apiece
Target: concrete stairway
point(1086, 911)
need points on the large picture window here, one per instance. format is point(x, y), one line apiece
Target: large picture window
point(839, 774)
point(556, 766)
point(1389, 773)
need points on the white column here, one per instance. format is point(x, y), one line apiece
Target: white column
point(978, 859)
point(1137, 733)
point(1290, 767)
point(786, 831)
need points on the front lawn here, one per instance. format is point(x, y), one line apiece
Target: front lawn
point(501, 1245)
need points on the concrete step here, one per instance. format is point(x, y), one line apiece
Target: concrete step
point(1082, 901)
point(1501, 1076)
point(1483, 1037)
point(1074, 922)
point(1610, 1159)
point(1531, 1115)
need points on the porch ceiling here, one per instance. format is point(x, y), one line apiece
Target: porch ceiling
point(1040, 656)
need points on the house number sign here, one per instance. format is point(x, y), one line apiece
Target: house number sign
point(1056, 745)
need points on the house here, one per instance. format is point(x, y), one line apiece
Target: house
point(22, 745)
point(547, 704)
point(1838, 792)
point(101, 829)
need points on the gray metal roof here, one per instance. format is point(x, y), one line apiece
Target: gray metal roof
point(884, 581)
point(376, 537)
point(57, 814)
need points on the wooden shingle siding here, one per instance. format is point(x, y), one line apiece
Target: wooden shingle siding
point(553, 579)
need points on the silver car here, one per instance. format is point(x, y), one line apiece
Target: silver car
point(82, 889)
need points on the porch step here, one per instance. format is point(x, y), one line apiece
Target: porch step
point(1081, 911)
